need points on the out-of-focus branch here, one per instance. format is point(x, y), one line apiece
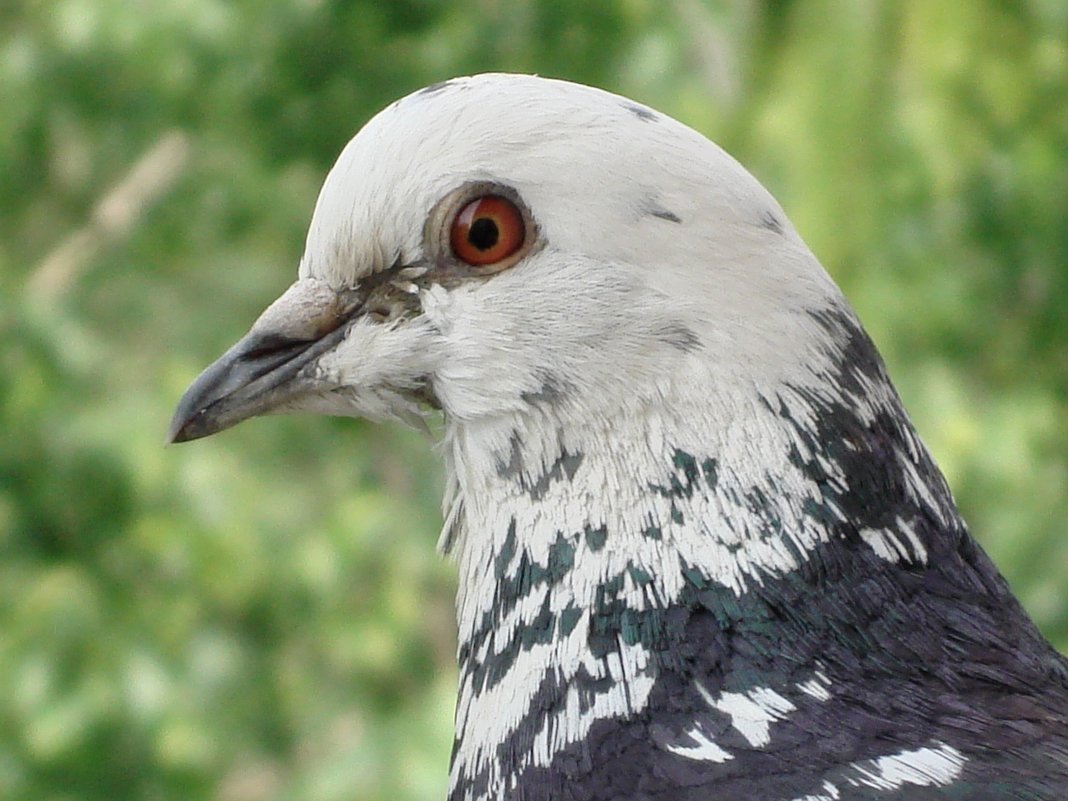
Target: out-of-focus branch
point(112, 219)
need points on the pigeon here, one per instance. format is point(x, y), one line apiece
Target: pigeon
point(702, 552)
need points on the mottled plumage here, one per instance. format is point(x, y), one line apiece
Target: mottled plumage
point(703, 553)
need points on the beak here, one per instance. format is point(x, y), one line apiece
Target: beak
point(272, 365)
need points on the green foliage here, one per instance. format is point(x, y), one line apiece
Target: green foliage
point(262, 616)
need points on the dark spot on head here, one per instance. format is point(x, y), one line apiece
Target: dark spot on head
point(434, 88)
point(651, 207)
point(641, 112)
point(771, 222)
point(681, 338)
point(664, 214)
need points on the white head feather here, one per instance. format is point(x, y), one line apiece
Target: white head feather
point(600, 307)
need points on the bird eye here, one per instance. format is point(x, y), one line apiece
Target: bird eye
point(487, 230)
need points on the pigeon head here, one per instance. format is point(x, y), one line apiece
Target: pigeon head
point(606, 251)
point(702, 552)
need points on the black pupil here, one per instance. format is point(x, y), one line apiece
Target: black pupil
point(483, 233)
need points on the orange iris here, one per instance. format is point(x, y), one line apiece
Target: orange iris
point(487, 230)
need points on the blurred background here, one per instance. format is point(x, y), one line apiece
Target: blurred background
point(262, 615)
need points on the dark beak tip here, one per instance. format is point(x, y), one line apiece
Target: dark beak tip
point(195, 421)
point(191, 418)
point(196, 414)
point(175, 436)
point(178, 431)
